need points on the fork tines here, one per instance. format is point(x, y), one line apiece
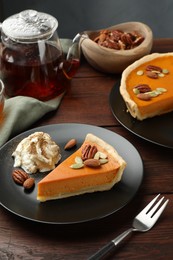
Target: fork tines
point(151, 209)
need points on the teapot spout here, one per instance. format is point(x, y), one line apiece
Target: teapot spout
point(74, 49)
point(72, 60)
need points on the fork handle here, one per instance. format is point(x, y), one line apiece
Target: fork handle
point(111, 246)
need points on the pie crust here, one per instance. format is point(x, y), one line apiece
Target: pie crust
point(158, 105)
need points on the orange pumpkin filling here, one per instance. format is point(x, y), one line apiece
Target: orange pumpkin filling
point(164, 101)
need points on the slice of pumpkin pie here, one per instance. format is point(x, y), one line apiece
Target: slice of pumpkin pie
point(147, 86)
point(95, 166)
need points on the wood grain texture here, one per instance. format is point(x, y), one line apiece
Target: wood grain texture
point(86, 101)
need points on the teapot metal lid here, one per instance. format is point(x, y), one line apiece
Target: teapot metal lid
point(29, 26)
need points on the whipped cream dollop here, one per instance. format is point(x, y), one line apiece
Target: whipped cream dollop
point(37, 152)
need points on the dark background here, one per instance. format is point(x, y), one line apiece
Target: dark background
point(77, 15)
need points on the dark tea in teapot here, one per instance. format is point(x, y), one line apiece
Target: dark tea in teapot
point(38, 71)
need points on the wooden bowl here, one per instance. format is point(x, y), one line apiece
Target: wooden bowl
point(115, 61)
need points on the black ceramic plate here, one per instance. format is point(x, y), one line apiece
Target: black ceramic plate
point(158, 130)
point(75, 209)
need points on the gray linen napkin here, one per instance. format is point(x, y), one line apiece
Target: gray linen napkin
point(21, 112)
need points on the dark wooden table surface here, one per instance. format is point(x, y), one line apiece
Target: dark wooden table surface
point(87, 101)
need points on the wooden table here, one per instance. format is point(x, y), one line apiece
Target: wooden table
point(87, 101)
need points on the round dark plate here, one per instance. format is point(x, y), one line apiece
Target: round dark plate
point(75, 209)
point(157, 130)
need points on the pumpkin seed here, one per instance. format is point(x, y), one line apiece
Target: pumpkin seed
point(136, 91)
point(165, 71)
point(161, 75)
point(78, 159)
point(140, 72)
point(103, 155)
point(97, 155)
point(77, 165)
point(161, 89)
point(103, 161)
point(153, 93)
point(157, 92)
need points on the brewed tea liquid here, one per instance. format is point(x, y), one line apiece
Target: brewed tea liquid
point(36, 70)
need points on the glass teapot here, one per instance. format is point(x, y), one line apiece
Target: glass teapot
point(32, 62)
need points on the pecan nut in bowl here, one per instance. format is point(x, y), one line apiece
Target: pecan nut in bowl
point(135, 40)
point(119, 40)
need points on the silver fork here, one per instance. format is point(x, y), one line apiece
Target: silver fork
point(143, 222)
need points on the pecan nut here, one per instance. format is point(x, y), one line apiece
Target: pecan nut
point(19, 176)
point(127, 39)
point(154, 68)
point(143, 88)
point(85, 151)
point(92, 152)
point(88, 152)
point(152, 75)
point(119, 40)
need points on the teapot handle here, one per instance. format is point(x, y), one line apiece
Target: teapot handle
point(74, 49)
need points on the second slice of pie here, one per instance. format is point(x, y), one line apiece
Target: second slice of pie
point(65, 181)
